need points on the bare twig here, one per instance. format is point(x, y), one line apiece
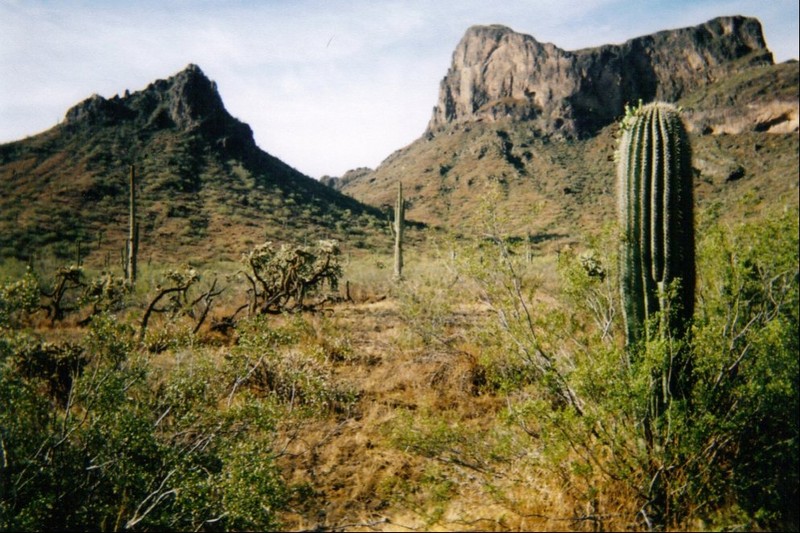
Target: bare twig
point(157, 496)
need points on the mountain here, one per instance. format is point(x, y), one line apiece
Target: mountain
point(497, 73)
point(524, 120)
point(538, 124)
point(205, 189)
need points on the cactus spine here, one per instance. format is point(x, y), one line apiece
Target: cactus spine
point(397, 229)
point(656, 220)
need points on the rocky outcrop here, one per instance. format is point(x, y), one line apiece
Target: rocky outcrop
point(497, 73)
point(356, 174)
point(187, 101)
point(765, 99)
point(329, 181)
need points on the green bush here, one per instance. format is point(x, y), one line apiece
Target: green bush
point(17, 299)
point(746, 346)
point(289, 365)
point(96, 437)
point(728, 453)
point(725, 454)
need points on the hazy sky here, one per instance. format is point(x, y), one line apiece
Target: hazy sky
point(326, 85)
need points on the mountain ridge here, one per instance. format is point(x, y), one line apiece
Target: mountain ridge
point(500, 137)
point(497, 72)
point(206, 189)
point(187, 101)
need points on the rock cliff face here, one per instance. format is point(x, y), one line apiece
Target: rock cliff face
point(539, 122)
point(498, 73)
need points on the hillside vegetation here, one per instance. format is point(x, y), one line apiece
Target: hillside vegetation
point(205, 190)
point(570, 182)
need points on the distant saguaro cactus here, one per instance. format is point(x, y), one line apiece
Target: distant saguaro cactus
point(656, 219)
point(132, 245)
point(397, 230)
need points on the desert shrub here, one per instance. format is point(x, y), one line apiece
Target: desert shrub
point(18, 298)
point(51, 480)
point(746, 346)
point(288, 365)
point(252, 491)
point(427, 495)
point(334, 342)
point(427, 303)
point(119, 443)
point(69, 291)
point(104, 293)
point(725, 453)
point(439, 436)
point(63, 294)
point(109, 340)
point(526, 342)
point(184, 302)
point(590, 284)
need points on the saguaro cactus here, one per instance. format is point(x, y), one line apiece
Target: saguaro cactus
point(656, 219)
point(397, 229)
point(132, 245)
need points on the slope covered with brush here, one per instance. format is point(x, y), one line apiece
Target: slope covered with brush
point(538, 122)
point(205, 189)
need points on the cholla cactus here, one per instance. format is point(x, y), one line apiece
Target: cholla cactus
point(656, 220)
point(281, 278)
point(18, 298)
point(105, 293)
point(175, 284)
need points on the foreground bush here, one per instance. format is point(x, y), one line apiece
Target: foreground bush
point(94, 436)
point(724, 453)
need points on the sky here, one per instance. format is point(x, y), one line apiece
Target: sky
point(326, 86)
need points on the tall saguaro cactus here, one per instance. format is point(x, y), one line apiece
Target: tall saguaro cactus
point(656, 219)
point(397, 229)
point(132, 245)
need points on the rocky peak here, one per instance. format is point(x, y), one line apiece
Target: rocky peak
point(191, 97)
point(187, 101)
point(497, 73)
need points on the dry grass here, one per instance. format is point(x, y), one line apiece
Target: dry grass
point(424, 448)
point(426, 445)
